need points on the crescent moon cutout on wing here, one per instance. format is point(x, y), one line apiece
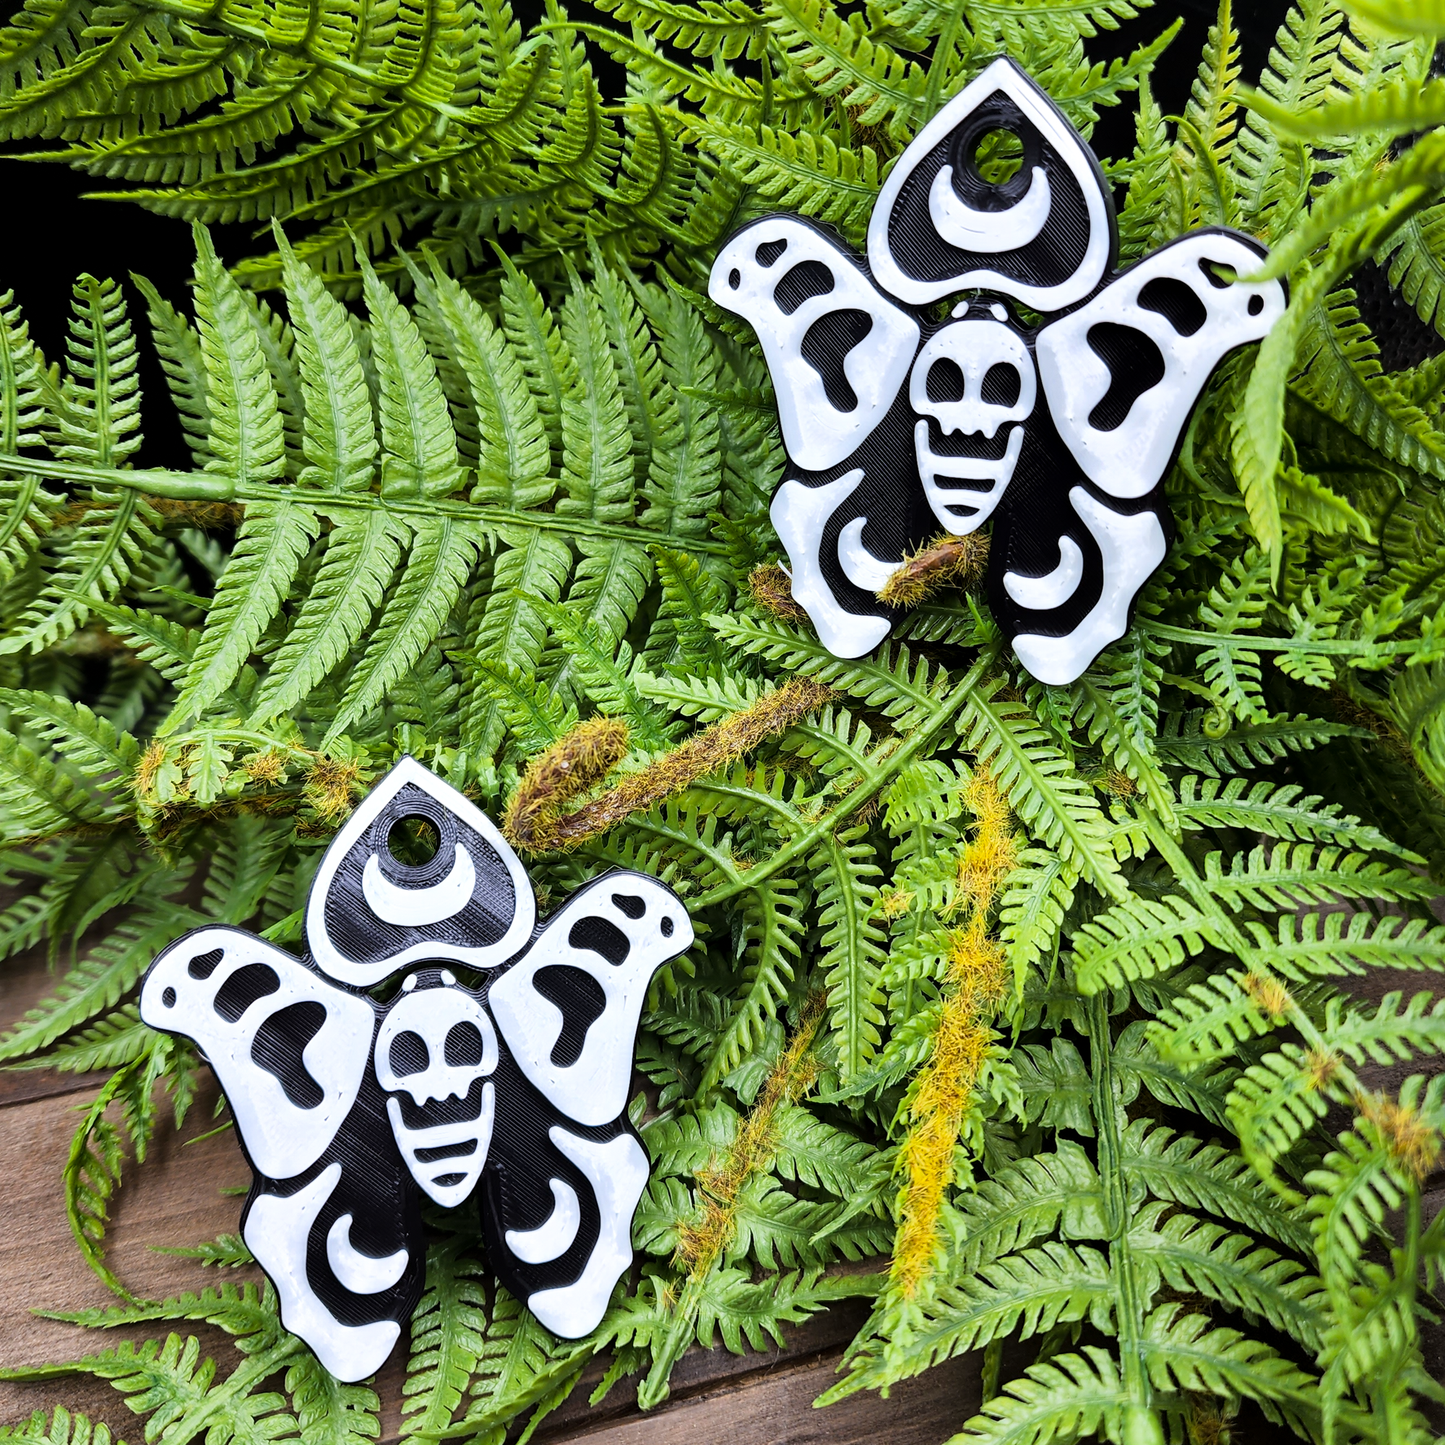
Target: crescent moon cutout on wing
point(989, 231)
point(859, 565)
point(419, 907)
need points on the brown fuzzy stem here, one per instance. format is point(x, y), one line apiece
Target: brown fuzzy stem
point(946, 561)
point(772, 589)
point(543, 828)
point(554, 778)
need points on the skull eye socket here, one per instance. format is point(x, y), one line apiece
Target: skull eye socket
point(408, 1054)
point(463, 1048)
point(1001, 385)
point(945, 380)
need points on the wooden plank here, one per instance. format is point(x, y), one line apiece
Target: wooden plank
point(175, 1197)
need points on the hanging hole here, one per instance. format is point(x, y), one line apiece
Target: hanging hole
point(413, 841)
point(997, 156)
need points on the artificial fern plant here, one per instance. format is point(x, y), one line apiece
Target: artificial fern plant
point(1034, 999)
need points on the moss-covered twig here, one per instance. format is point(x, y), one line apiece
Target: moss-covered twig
point(535, 819)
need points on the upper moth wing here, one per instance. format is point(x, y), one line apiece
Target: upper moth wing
point(837, 348)
point(370, 915)
point(1123, 372)
point(289, 1048)
point(332, 1217)
point(1046, 236)
point(568, 1009)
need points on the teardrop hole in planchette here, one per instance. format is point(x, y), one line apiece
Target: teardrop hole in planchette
point(413, 840)
point(1135, 365)
point(998, 156)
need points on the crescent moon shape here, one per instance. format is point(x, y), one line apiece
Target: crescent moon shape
point(1054, 588)
point(859, 565)
point(419, 907)
point(989, 232)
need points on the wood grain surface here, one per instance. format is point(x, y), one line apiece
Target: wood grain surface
point(183, 1194)
point(179, 1196)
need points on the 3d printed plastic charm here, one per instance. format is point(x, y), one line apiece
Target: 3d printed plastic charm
point(897, 423)
point(515, 1091)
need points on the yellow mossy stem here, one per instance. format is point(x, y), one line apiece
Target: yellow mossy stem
point(945, 561)
point(772, 590)
point(1410, 1140)
point(267, 769)
point(147, 768)
point(1268, 994)
point(945, 1085)
point(539, 828)
point(700, 1241)
point(992, 854)
point(331, 786)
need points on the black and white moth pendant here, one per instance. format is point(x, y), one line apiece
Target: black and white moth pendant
point(897, 421)
point(513, 1093)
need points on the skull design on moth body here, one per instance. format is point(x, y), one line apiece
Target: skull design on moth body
point(352, 1098)
point(898, 423)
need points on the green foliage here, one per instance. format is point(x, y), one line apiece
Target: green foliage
point(451, 499)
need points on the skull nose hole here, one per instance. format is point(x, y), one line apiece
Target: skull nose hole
point(413, 840)
point(998, 155)
point(408, 1054)
point(945, 380)
point(1001, 385)
point(463, 1048)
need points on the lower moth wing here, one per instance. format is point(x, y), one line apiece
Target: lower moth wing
point(568, 1008)
point(332, 1216)
point(344, 1243)
point(847, 531)
point(1066, 563)
point(557, 1206)
point(1123, 372)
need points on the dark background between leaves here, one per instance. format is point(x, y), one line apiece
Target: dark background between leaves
point(50, 233)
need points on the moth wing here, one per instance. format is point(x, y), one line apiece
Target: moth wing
point(289, 1048)
point(558, 1203)
point(568, 1009)
point(1045, 236)
point(1123, 372)
point(837, 348)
